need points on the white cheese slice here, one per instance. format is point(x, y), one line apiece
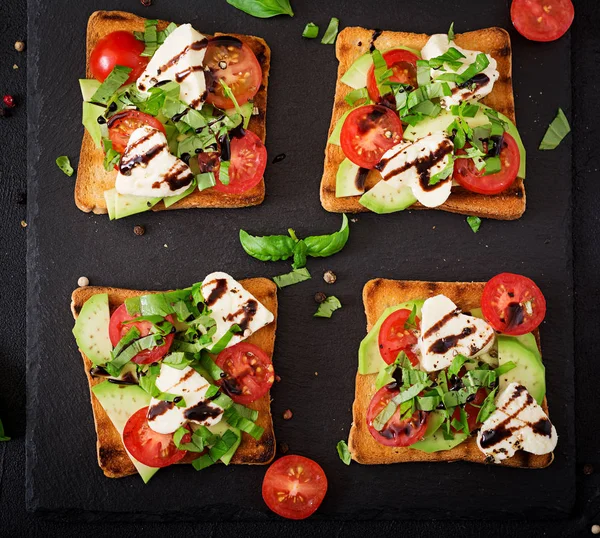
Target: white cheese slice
point(518, 423)
point(482, 84)
point(415, 163)
point(166, 417)
point(180, 59)
point(446, 332)
point(148, 169)
point(231, 304)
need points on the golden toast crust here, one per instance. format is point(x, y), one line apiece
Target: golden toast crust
point(112, 457)
point(93, 180)
point(353, 42)
point(378, 295)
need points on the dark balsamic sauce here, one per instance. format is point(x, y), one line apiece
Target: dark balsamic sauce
point(248, 310)
point(217, 292)
point(160, 409)
point(279, 158)
point(361, 178)
point(376, 33)
point(448, 342)
point(201, 412)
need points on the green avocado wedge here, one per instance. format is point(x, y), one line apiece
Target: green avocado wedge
point(369, 358)
point(346, 183)
point(91, 329)
point(385, 198)
point(434, 438)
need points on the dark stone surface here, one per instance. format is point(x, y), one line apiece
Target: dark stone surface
point(548, 218)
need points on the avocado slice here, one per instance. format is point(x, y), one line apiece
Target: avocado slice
point(529, 342)
point(434, 437)
point(385, 198)
point(109, 198)
point(170, 200)
point(88, 87)
point(120, 402)
point(91, 329)
point(127, 204)
point(346, 183)
point(89, 119)
point(337, 130)
point(529, 370)
point(356, 76)
point(445, 118)
point(369, 358)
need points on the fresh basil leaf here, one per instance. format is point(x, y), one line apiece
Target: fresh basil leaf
point(233, 418)
point(465, 110)
point(331, 32)
point(268, 247)
point(263, 9)
point(127, 338)
point(443, 174)
point(481, 62)
point(111, 157)
point(210, 366)
point(328, 307)
point(423, 73)
point(299, 255)
point(457, 364)
point(150, 37)
point(166, 33)
point(451, 57)
point(451, 33)
point(493, 165)
point(428, 403)
point(147, 380)
point(3, 436)
point(294, 277)
point(474, 223)
point(225, 339)
point(177, 360)
point(229, 94)
point(386, 414)
point(343, 452)
point(319, 246)
point(410, 322)
point(224, 172)
point(382, 73)
point(487, 407)
point(64, 164)
point(384, 377)
point(117, 77)
point(505, 368)
point(557, 130)
point(427, 108)
point(310, 31)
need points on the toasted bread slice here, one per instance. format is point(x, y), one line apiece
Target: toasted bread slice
point(112, 458)
point(354, 42)
point(93, 180)
point(378, 295)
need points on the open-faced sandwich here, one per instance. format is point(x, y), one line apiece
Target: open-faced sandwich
point(181, 376)
point(424, 122)
point(174, 118)
point(452, 371)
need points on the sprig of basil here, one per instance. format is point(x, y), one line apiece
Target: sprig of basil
point(320, 246)
point(268, 248)
point(263, 9)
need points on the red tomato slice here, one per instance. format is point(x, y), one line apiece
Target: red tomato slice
point(467, 175)
point(249, 372)
point(542, 20)
point(294, 487)
point(404, 65)
point(513, 304)
point(147, 446)
point(396, 432)
point(118, 48)
point(122, 125)
point(394, 338)
point(248, 163)
point(233, 62)
point(368, 132)
point(117, 329)
point(472, 408)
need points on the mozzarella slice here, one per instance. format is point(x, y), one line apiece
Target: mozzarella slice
point(480, 86)
point(180, 59)
point(148, 169)
point(415, 163)
point(518, 423)
point(166, 417)
point(446, 333)
point(231, 304)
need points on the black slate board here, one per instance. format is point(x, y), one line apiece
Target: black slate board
point(62, 475)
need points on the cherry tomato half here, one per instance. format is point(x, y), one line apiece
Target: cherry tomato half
point(294, 487)
point(472, 409)
point(513, 304)
point(118, 48)
point(149, 447)
point(542, 20)
point(117, 329)
point(248, 163)
point(368, 132)
point(233, 62)
point(467, 175)
point(394, 337)
point(396, 432)
point(248, 372)
point(404, 65)
point(122, 125)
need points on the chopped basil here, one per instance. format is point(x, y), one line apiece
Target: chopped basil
point(117, 77)
point(481, 62)
point(230, 95)
point(505, 368)
point(410, 322)
point(133, 348)
point(443, 174)
point(294, 277)
point(465, 110)
point(474, 223)
point(217, 451)
point(310, 31)
point(423, 73)
point(328, 307)
point(225, 339)
point(557, 130)
point(233, 418)
point(64, 164)
point(224, 172)
point(3, 436)
point(343, 452)
point(210, 366)
point(147, 379)
point(263, 9)
point(111, 156)
point(382, 73)
point(493, 165)
point(451, 57)
point(451, 33)
point(487, 407)
point(178, 360)
point(206, 181)
point(150, 37)
point(331, 32)
point(457, 364)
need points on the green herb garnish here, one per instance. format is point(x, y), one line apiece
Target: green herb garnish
point(294, 277)
point(451, 33)
point(474, 223)
point(557, 130)
point(117, 77)
point(263, 9)
point(3, 436)
point(343, 452)
point(64, 164)
point(310, 31)
point(331, 32)
point(328, 307)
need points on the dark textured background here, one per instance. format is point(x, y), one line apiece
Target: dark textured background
point(298, 301)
